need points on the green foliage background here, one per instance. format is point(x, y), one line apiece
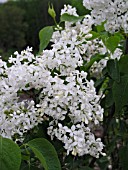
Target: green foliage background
point(21, 21)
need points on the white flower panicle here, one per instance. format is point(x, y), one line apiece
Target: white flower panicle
point(113, 12)
point(73, 40)
point(78, 139)
point(78, 95)
point(64, 92)
point(18, 119)
point(73, 96)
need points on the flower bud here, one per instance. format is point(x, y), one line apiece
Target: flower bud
point(51, 11)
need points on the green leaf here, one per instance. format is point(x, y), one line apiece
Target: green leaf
point(45, 35)
point(94, 58)
point(103, 163)
point(94, 35)
point(112, 43)
point(99, 81)
point(78, 4)
point(119, 34)
point(123, 129)
point(113, 70)
point(123, 64)
point(46, 153)
point(104, 85)
point(29, 167)
point(109, 99)
point(120, 93)
point(70, 18)
point(87, 168)
point(112, 144)
point(10, 155)
point(123, 157)
point(100, 28)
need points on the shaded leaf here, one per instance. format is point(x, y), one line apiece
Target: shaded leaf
point(87, 168)
point(120, 93)
point(112, 144)
point(113, 70)
point(30, 168)
point(99, 81)
point(46, 153)
point(123, 64)
point(103, 163)
point(123, 157)
point(109, 99)
point(10, 155)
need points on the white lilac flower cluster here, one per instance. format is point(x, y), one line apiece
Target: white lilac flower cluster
point(17, 117)
point(73, 97)
point(66, 98)
point(79, 35)
point(113, 12)
point(78, 139)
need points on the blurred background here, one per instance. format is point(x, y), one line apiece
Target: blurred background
point(21, 21)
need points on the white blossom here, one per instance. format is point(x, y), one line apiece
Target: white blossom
point(78, 139)
point(69, 10)
point(63, 90)
point(113, 12)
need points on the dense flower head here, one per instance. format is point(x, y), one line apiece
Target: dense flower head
point(74, 39)
point(77, 139)
point(72, 96)
point(63, 90)
point(113, 12)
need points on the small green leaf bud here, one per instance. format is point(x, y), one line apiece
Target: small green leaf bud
point(51, 11)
